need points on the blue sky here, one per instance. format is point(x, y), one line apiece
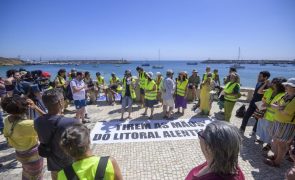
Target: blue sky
point(137, 29)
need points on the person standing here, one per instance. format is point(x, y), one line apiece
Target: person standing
point(168, 88)
point(215, 78)
point(227, 78)
point(193, 83)
point(262, 81)
point(142, 82)
point(205, 75)
point(128, 93)
point(49, 128)
point(75, 141)
point(283, 129)
point(61, 83)
point(90, 86)
point(79, 88)
point(100, 84)
point(220, 143)
point(206, 100)
point(158, 80)
point(20, 134)
point(2, 95)
point(271, 95)
point(181, 92)
point(150, 94)
point(231, 95)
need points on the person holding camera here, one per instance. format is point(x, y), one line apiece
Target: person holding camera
point(49, 128)
point(20, 134)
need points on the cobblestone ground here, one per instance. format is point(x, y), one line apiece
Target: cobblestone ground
point(157, 160)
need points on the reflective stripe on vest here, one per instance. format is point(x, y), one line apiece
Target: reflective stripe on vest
point(205, 76)
point(142, 80)
point(100, 80)
point(229, 88)
point(270, 112)
point(131, 89)
point(181, 87)
point(151, 95)
point(158, 82)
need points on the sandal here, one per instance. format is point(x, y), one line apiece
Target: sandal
point(266, 148)
point(144, 114)
point(271, 163)
point(271, 157)
point(85, 121)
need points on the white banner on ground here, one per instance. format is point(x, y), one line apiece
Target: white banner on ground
point(147, 130)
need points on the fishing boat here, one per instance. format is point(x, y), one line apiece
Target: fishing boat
point(238, 65)
point(145, 64)
point(191, 63)
point(157, 66)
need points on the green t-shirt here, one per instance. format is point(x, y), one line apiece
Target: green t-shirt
point(86, 169)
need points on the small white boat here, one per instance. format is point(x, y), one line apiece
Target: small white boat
point(158, 67)
point(237, 66)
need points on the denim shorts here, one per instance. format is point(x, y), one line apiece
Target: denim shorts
point(80, 103)
point(126, 101)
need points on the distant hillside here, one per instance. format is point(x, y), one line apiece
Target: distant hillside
point(10, 61)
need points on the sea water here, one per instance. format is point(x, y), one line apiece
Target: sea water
point(248, 75)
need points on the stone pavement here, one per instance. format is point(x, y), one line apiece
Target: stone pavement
point(157, 160)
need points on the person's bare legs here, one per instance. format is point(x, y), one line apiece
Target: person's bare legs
point(145, 111)
point(152, 112)
point(122, 113)
point(182, 112)
point(142, 100)
point(82, 113)
point(194, 93)
point(129, 111)
point(165, 110)
point(282, 149)
point(169, 112)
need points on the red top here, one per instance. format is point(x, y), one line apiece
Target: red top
point(213, 176)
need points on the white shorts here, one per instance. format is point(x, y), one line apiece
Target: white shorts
point(168, 102)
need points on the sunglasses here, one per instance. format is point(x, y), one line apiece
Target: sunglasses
point(200, 134)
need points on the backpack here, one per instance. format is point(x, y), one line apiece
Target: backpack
point(241, 111)
point(69, 93)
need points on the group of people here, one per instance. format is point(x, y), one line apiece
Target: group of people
point(273, 108)
point(36, 128)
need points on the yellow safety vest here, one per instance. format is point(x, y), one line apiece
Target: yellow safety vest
point(86, 169)
point(142, 80)
point(205, 76)
point(270, 112)
point(150, 95)
point(100, 80)
point(288, 117)
point(214, 76)
point(158, 81)
point(131, 89)
point(181, 87)
point(229, 88)
point(116, 81)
